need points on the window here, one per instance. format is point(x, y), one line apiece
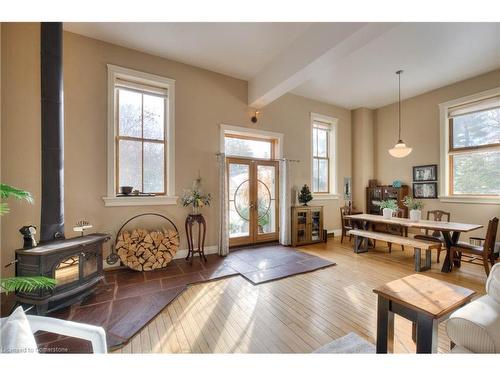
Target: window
point(323, 134)
point(141, 141)
point(140, 137)
point(473, 147)
point(247, 146)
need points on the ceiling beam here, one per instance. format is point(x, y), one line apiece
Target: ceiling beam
point(318, 48)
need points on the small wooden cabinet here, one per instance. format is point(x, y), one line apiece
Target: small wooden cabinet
point(307, 225)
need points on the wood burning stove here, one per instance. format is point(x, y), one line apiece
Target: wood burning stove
point(75, 263)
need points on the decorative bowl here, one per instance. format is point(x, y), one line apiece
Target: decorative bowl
point(126, 189)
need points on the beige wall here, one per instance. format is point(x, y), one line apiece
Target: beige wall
point(420, 118)
point(363, 162)
point(204, 100)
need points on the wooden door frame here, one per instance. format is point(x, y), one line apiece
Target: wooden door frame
point(254, 237)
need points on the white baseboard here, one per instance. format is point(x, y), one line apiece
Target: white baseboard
point(182, 253)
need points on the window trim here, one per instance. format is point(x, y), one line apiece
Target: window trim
point(240, 131)
point(140, 78)
point(332, 156)
point(446, 151)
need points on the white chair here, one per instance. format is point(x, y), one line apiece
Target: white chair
point(96, 335)
point(475, 328)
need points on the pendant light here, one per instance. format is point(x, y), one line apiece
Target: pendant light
point(400, 150)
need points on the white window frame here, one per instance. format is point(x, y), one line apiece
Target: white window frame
point(333, 156)
point(444, 134)
point(134, 76)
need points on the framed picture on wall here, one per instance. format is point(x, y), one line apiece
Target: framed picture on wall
point(425, 173)
point(425, 190)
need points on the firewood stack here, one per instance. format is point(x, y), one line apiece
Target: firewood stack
point(143, 250)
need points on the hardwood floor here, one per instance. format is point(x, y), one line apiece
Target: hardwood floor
point(293, 315)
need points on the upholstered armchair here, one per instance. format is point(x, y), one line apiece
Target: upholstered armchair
point(475, 328)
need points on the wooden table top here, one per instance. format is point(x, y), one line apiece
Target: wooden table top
point(422, 224)
point(425, 294)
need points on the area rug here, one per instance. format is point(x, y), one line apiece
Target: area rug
point(129, 300)
point(348, 344)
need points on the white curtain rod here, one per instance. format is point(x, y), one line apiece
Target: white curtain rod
point(281, 159)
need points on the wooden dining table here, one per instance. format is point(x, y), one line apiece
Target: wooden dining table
point(451, 231)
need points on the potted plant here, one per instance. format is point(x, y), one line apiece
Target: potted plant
point(196, 198)
point(388, 207)
point(305, 195)
point(23, 284)
point(415, 206)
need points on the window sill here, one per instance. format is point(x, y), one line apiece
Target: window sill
point(325, 197)
point(471, 199)
point(139, 201)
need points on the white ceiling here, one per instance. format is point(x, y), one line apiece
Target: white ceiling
point(239, 50)
point(431, 54)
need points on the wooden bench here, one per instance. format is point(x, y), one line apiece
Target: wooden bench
point(362, 237)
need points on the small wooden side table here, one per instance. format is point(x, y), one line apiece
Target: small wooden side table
point(423, 300)
point(191, 219)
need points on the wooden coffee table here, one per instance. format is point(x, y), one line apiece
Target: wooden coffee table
point(423, 300)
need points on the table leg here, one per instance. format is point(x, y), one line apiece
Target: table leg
point(186, 226)
point(454, 239)
point(427, 334)
point(449, 241)
point(204, 226)
point(385, 326)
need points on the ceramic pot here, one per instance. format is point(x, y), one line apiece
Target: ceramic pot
point(415, 215)
point(387, 213)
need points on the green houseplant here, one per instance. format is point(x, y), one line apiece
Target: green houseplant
point(388, 207)
point(415, 206)
point(25, 284)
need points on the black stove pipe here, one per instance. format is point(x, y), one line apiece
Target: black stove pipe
point(52, 95)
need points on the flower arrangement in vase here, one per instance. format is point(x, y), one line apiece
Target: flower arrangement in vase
point(388, 207)
point(196, 198)
point(415, 206)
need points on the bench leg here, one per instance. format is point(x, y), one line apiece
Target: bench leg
point(418, 260)
point(428, 258)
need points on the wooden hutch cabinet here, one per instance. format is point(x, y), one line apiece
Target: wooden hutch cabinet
point(307, 225)
point(380, 193)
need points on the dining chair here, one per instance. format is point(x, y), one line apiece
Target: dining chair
point(435, 236)
point(480, 255)
point(346, 223)
point(402, 231)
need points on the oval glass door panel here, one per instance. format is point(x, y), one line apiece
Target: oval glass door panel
point(239, 200)
point(266, 199)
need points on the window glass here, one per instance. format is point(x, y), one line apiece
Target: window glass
point(476, 129)
point(321, 157)
point(154, 122)
point(130, 113)
point(251, 148)
point(476, 173)
point(130, 164)
point(154, 167)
